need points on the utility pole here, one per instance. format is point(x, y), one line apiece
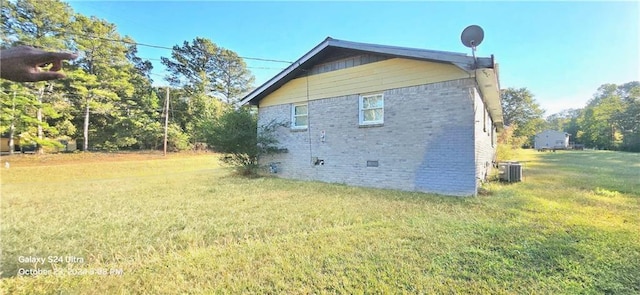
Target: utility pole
point(85, 126)
point(12, 128)
point(39, 117)
point(166, 122)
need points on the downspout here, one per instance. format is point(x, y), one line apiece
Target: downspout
point(308, 121)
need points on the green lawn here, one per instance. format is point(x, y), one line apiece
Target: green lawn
point(184, 224)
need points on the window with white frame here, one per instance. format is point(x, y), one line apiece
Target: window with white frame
point(299, 116)
point(371, 109)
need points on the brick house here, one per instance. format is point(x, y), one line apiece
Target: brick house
point(385, 117)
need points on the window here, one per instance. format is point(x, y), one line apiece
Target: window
point(371, 109)
point(299, 116)
point(373, 163)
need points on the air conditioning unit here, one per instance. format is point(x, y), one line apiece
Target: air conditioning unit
point(510, 171)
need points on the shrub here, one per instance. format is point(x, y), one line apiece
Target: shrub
point(508, 143)
point(176, 139)
point(235, 134)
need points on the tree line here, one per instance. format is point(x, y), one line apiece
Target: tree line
point(108, 101)
point(610, 120)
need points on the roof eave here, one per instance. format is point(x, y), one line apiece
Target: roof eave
point(460, 59)
point(489, 86)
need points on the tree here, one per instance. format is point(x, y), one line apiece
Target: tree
point(104, 77)
point(107, 93)
point(628, 119)
point(520, 108)
point(201, 67)
point(43, 24)
point(138, 125)
point(597, 124)
point(210, 77)
point(16, 113)
point(236, 134)
point(35, 22)
point(508, 143)
point(235, 79)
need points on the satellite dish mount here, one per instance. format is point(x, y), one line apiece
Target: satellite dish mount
point(471, 37)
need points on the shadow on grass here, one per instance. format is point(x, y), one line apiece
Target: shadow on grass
point(343, 190)
point(569, 259)
point(590, 170)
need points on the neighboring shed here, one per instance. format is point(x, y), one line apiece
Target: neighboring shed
point(551, 140)
point(384, 116)
point(5, 145)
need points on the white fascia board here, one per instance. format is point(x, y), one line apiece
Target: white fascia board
point(490, 89)
point(295, 65)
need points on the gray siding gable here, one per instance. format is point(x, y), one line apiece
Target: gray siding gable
point(344, 63)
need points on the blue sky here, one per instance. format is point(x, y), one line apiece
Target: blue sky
point(561, 51)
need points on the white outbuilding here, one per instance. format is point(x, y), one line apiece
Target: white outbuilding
point(551, 140)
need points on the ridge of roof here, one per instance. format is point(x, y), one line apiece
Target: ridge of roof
point(351, 44)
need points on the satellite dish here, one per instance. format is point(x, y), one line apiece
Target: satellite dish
point(472, 36)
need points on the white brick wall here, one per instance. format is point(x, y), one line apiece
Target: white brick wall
point(485, 139)
point(425, 144)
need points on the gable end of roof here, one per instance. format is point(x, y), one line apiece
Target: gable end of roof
point(461, 60)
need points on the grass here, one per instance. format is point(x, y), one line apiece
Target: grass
point(184, 224)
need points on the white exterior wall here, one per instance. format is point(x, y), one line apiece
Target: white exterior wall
point(551, 139)
point(485, 139)
point(427, 143)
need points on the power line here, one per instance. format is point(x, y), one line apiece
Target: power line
point(248, 67)
point(164, 47)
point(265, 68)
